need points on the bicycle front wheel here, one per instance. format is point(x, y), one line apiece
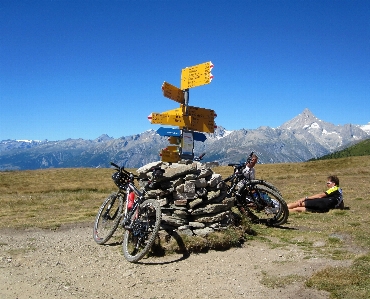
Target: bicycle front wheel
point(107, 219)
point(145, 224)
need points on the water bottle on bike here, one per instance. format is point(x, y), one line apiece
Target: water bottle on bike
point(130, 200)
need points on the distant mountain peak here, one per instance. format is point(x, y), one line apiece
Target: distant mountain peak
point(220, 132)
point(302, 120)
point(103, 138)
point(307, 114)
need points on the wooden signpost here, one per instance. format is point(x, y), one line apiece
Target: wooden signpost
point(189, 119)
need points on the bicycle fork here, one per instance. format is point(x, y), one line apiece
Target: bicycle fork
point(107, 211)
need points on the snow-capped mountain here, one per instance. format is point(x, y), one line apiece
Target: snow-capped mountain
point(366, 128)
point(311, 130)
point(299, 139)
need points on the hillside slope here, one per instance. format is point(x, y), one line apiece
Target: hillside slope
point(361, 148)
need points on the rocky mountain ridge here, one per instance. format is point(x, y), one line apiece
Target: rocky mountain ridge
point(299, 139)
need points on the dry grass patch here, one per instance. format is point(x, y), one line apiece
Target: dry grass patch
point(49, 198)
point(280, 281)
point(344, 282)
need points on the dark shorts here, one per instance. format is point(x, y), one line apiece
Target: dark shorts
point(320, 205)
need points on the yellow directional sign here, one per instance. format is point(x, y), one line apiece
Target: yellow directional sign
point(196, 119)
point(173, 93)
point(196, 75)
point(202, 120)
point(174, 140)
point(175, 117)
point(170, 154)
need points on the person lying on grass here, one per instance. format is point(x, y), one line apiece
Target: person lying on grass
point(321, 202)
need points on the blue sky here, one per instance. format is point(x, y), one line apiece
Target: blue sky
point(79, 69)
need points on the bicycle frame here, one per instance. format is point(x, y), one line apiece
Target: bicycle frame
point(138, 200)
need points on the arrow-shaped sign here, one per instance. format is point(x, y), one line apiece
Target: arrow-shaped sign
point(169, 132)
point(173, 93)
point(162, 131)
point(197, 119)
point(196, 75)
point(174, 117)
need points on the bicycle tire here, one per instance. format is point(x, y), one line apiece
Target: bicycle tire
point(145, 226)
point(108, 218)
point(273, 217)
point(265, 183)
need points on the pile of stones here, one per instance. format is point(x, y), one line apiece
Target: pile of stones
point(192, 197)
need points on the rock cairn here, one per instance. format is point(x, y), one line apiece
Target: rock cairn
point(192, 198)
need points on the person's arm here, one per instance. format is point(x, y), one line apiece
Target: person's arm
point(318, 195)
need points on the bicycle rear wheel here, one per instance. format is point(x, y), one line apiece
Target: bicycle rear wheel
point(266, 184)
point(107, 219)
point(274, 215)
point(145, 226)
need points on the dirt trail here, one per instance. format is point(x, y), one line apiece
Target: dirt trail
point(67, 263)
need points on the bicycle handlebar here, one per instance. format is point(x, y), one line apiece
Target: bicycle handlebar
point(115, 165)
point(234, 164)
point(122, 169)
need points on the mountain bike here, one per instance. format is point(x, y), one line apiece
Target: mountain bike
point(259, 200)
point(140, 217)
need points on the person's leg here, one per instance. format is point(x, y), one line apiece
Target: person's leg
point(317, 205)
point(293, 205)
point(298, 206)
point(297, 209)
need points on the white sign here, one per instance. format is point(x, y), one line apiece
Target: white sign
point(187, 143)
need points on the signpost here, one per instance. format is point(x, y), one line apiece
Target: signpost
point(173, 93)
point(196, 118)
point(202, 119)
point(169, 132)
point(170, 154)
point(189, 119)
point(174, 117)
point(196, 75)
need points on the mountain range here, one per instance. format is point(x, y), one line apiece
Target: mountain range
point(302, 138)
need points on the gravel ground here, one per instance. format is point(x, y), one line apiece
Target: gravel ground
point(67, 263)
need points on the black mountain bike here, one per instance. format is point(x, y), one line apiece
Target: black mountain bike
point(259, 200)
point(140, 217)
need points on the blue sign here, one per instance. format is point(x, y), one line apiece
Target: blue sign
point(162, 131)
point(199, 136)
point(169, 132)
